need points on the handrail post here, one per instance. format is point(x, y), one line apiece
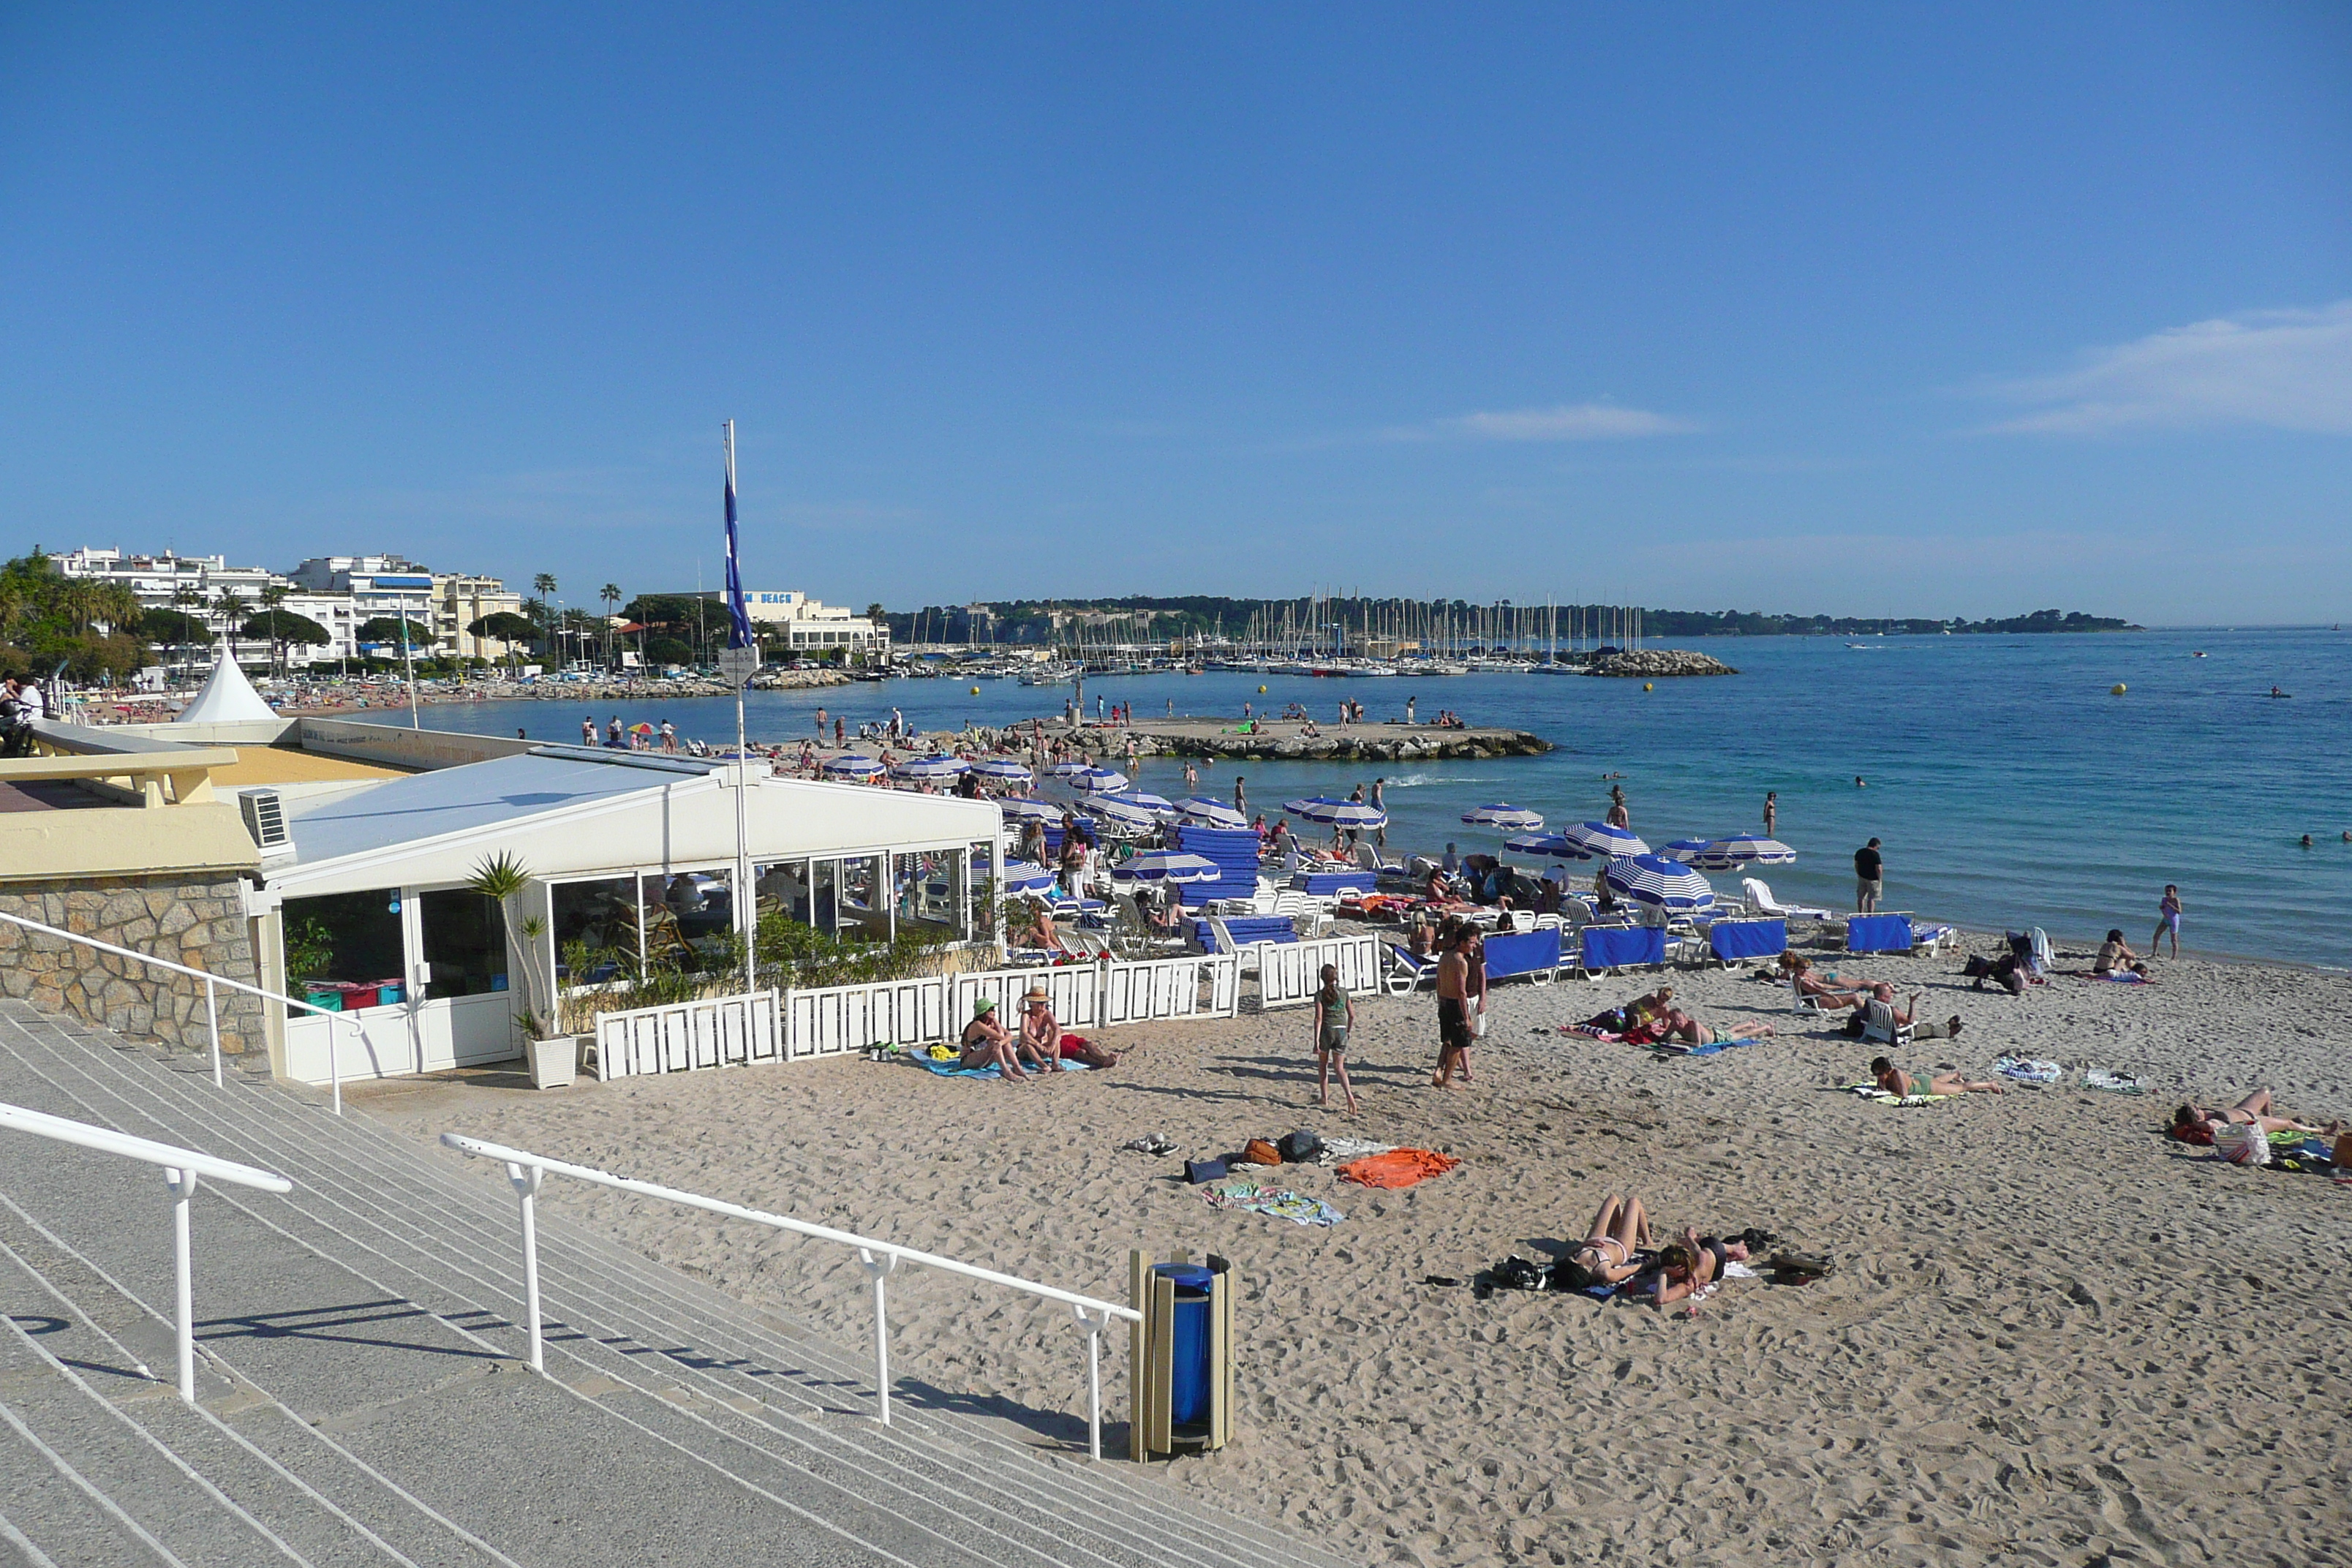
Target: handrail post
point(878, 1269)
point(212, 1022)
point(1093, 1323)
point(181, 1185)
point(335, 1061)
point(526, 1180)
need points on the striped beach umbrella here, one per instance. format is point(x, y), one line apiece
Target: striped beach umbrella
point(853, 767)
point(1004, 770)
point(1684, 849)
point(1510, 816)
point(1203, 812)
point(1550, 844)
point(1096, 781)
point(1063, 770)
point(1029, 808)
point(1742, 849)
point(932, 770)
point(1020, 877)
point(1335, 813)
point(1166, 866)
point(1668, 884)
point(1600, 838)
point(1116, 811)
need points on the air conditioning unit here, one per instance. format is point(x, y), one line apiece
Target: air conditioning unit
point(265, 818)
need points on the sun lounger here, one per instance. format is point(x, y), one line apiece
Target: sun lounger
point(1760, 898)
point(1534, 953)
point(1602, 948)
point(1407, 972)
point(1731, 941)
point(1369, 858)
point(1878, 1025)
point(1805, 1003)
point(1878, 933)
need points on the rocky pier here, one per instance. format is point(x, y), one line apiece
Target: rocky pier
point(1656, 663)
point(1288, 740)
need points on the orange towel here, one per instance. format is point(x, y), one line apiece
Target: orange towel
point(1398, 1167)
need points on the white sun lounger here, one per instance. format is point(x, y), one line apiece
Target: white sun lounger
point(1761, 898)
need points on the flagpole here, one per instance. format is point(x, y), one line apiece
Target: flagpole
point(747, 901)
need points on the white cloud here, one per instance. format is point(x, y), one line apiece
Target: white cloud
point(1564, 421)
point(2288, 370)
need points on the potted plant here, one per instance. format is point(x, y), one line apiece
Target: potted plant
point(553, 1056)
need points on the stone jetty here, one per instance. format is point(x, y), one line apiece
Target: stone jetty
point(1652, 663)
point(1289, 739)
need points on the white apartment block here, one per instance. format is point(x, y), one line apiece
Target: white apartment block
point(810, 626)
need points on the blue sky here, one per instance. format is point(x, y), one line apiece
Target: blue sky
point(1864, 311)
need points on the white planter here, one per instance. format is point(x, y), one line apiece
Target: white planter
point(555, 1063)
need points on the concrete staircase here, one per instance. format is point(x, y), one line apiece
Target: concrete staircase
point(361, 1395)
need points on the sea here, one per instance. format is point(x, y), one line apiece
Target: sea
point(2010, 783)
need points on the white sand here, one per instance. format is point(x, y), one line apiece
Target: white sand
point(2052, 1336)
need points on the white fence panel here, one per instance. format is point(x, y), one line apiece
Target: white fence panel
point(839, 1019)
point(1073, 990)
point(1288, 972)
point(723, 1031)
point(1225, 984)
point(1163, 988)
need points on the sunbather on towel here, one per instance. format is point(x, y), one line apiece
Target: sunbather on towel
point(2116, 957)
point(1677, 1025)
point(1825, 994)
point(987, 1045)
point(1606, 1258)
point(1903, 1085)
point(1039, 1039)
point(2254, 1109)
point(1688, 1266)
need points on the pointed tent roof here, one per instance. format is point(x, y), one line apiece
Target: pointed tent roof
point(228, 697)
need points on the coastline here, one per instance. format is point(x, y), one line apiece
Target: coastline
point(1993, 1372)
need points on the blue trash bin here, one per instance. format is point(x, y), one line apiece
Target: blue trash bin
point(1188, 1396)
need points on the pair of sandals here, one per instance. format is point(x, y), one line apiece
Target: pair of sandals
point(1152, 1143)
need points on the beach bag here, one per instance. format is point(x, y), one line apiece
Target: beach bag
point(1258, 1151)
point(1479, 1025)
point(1199, 1171)
point(1297, 1148)
point(2243, 1143)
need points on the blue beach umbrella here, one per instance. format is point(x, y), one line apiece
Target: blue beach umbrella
point(933, 769)
point(1002, 769)
point(853, 767)
point(1742, 849)
point(1550, 844)
point(1668, 884)
point(1117, 812)
point(1685, 849)
point(1029, 809)
point(1063, 770)
point(1335, 813)
point(1203, 812)
point(1160, 805)
point(1600, 838)
point(1020, 877)
point(1166, 866)
point(1095, 781)
point(1503, 817)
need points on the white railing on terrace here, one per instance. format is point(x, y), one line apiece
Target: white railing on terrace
point(878, 1258)
point(212, 999)
point(180, 1168)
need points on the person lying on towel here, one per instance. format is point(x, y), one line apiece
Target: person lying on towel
point(1688, 1266)
point(1903, 1085)
point(1606, 1256)
point(2254, 1110)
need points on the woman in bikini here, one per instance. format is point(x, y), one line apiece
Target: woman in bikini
point(1903, 1085)
point(987, 1045)
point(2255, 1110)
point(1686, 1267)
point(1606, 1256)
point(1822, 993)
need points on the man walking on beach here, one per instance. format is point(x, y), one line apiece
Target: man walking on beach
point(1380, 804)
point(1452, 1013)
point(1869, 877)
point(1241, 797)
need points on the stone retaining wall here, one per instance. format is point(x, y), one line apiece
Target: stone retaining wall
point(196, 920)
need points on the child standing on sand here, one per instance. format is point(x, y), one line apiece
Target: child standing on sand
point(1335, 1014)
point(2167, 920)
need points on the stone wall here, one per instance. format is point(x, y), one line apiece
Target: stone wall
point(196, 920)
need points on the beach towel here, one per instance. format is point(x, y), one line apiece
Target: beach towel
point(2026, 1071)
point(2112, 1081)
point(1341, 1150)
point(1295, 1208)
point(952, 1067)
point(2120, 977)
point(1877, 1095)
point(1674, 1049)
point(1397, 1168)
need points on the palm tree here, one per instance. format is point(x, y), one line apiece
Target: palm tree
point(229, 607)
point(544, 586)
point(187, 600)
point(273, 599)
point(610, 595)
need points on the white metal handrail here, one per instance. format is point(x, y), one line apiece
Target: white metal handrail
point(212, 1002)
point(878, 1259)
point(180, 1168)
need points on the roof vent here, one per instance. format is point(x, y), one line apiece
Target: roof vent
point(265, 818)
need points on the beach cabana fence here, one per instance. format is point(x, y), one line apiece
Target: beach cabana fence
point(1290, 972)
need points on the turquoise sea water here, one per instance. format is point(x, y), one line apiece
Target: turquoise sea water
point(2008, 786)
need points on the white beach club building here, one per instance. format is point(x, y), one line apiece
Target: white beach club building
point(366, 906)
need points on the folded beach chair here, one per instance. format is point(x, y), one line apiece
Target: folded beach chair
point(1760, 895)
point(1369, 860)
point(1878, 1025)
point(1802, 1003)
point(1307, 907)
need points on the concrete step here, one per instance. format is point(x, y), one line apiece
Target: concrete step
point(52, 1518)
point(682, 1364)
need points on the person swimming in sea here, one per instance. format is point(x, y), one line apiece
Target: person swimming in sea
point(1858, 784)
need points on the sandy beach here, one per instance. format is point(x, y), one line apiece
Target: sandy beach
point(2052, 1336)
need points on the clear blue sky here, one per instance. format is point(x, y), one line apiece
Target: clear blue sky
point(1881, 310)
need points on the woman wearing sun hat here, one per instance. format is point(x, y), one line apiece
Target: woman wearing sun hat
point(1041, 1032)
point(986, 1044)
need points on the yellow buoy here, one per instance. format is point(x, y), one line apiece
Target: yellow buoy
point(1261, 691)
point(1647, 687)
point(975, 691)
point(2116, 689)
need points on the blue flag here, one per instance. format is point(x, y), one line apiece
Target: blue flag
point(739, 619)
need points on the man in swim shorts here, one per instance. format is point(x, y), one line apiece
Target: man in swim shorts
point(1452, 1014)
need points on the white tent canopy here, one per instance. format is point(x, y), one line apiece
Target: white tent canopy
point(228, 697)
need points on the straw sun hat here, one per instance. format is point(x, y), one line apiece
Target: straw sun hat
point(1036, 994)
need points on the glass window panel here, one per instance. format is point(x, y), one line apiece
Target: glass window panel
point(600, 916)
point(465, 943)
point(351, 938)
point(865, 910)
point(784, 887)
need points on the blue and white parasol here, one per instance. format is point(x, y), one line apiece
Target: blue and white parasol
point(1550, 844)
point(1160, 805)
point(1203, 812)
point(929, 769)
point(1005, 770)
point(1020, 877)
point(1116, 811)
point(1740, 850)
point(1668, 884)
point(853, 767)
point(1029, 808)
point(1335, 813)
point(1095, 781)
point(1600, 838)
point(1166, 866)
point(1511, 817)
point(1684, 849)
